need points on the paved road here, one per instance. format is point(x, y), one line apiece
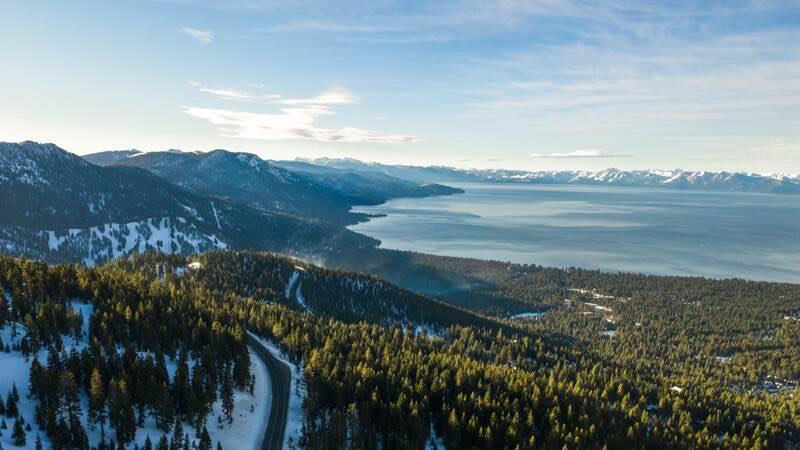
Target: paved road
point(280, 377)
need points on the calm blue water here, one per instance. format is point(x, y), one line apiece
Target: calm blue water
point(755, 236)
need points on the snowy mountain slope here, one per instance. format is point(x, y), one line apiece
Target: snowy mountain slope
point(242, 177)
point(59, 207)
point(250, 180)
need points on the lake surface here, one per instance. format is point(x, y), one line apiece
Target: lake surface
point(661, 231)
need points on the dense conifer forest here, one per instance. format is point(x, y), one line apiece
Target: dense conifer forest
point(606, 361)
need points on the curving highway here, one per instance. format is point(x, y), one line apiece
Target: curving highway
point(280, 378)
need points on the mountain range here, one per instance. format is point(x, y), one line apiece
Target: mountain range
point(245, 178)
point(672, 179)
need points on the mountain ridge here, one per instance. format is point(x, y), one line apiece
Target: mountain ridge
point(675, 178)
point(261, 184)
point(59, 207)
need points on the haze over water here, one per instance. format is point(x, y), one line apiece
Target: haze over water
point(659, 231)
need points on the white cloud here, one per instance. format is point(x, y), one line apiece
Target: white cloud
point(586, 153)
point(335, 96)
point(297, 120)
point(227, 93)
point(231, 93)
point(204, 36)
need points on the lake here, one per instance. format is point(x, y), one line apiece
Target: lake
point(659, 231)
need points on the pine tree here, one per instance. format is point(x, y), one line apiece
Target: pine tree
point(97, 398)
point(227, 396)
point(205, 439)
point(11, 406)
point(163, 443)
point(177, 435)
point(18, 435)
point(120, 411)
point(69, 397)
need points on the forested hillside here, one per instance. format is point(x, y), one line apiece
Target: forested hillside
point(384, 368)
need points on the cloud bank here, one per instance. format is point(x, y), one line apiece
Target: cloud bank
point(296, 119)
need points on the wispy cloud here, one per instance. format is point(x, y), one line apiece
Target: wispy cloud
point(335, 96)
point(232, 93)
point(587, 153)
point(662, 82)
point(297, 119)
point(319, 26)
point(204, 36)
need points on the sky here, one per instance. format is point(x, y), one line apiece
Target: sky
point(540, 84)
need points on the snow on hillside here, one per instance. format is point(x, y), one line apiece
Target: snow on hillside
point(526, 316)
point(251, 412)
point(294, 280)
point(297, 389)
point(113, 240)
point(298, 295)
point(248, 427)
point(290, 285)
point(435, 442)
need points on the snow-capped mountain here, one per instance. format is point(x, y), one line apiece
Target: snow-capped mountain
point(679, 179)
point(676, 179)
point(59, 207)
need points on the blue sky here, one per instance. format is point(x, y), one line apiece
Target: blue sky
point(548, 84)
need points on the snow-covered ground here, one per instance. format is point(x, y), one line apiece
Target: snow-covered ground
point(15, 368)
point(298, 293)
point(250, 411)
point(434, 442)
point(295, 416)
point(248, 426)
point(113, 240)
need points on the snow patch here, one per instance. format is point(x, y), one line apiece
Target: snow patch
point(527, 316)
point(290, 285)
